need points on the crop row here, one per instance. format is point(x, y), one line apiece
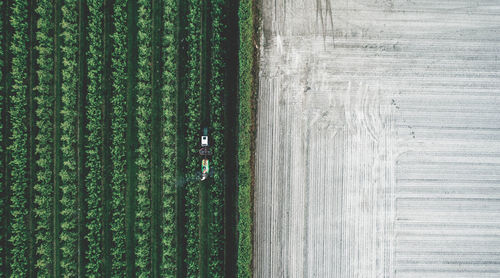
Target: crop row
point(169, 91)
point(193, 98)
point(216, 196)
point(68, 172)
point(94, 139)
point(44, 145)
point(143, 213)
point(119, 144)
point(19, 137)
point(246, 87)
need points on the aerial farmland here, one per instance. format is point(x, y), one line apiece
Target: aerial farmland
point(378, 139)
point(250, 138)
point(119, 138)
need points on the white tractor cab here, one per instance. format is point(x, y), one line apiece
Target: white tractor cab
point(204, 141)
point(205, 153)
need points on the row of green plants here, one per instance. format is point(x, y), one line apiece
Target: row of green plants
point(193, 101)
point(144, 95)
point(94, 140)
point(193, 108)
point(44, 198)
point(119, 143)
point(19, 140)
point(168, 265)
point(245, 87)
point(216, 191)
point(68, 174)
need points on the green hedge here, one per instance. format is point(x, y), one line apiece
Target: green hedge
point(169, 91)
point(94, 146)
point(119, 147)
point(246, 54)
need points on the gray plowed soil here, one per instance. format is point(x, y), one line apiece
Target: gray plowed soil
point(378, 139)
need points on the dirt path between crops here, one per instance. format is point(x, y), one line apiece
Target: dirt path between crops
point(378, 139)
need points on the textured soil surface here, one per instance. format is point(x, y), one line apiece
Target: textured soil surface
point(378, 139)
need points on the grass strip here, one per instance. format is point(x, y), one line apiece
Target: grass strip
point(245, 118)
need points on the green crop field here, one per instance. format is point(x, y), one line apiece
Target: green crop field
point(102, 105)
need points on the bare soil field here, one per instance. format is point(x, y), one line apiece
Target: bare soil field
point(378, 139)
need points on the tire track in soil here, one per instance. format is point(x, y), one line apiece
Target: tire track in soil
point(106, 136)
point(230, 100)
point(80, 135)
point(205, 123)
point(6, 127)
point(156, 134)
point(57, 136)
point(132, 142)
point(31, 137)
point(2, 123)
point(181, 151)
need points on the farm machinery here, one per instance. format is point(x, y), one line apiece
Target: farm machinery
point(205, 153)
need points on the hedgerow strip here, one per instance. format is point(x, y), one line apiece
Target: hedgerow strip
point(119, 147)
point(169, 253)
point(19, 138)
point(246, 54)
point(193, 98)
point(93, 147)
point(216, 204)
point(144, 95)
point(69, 213)
point(44, 140)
